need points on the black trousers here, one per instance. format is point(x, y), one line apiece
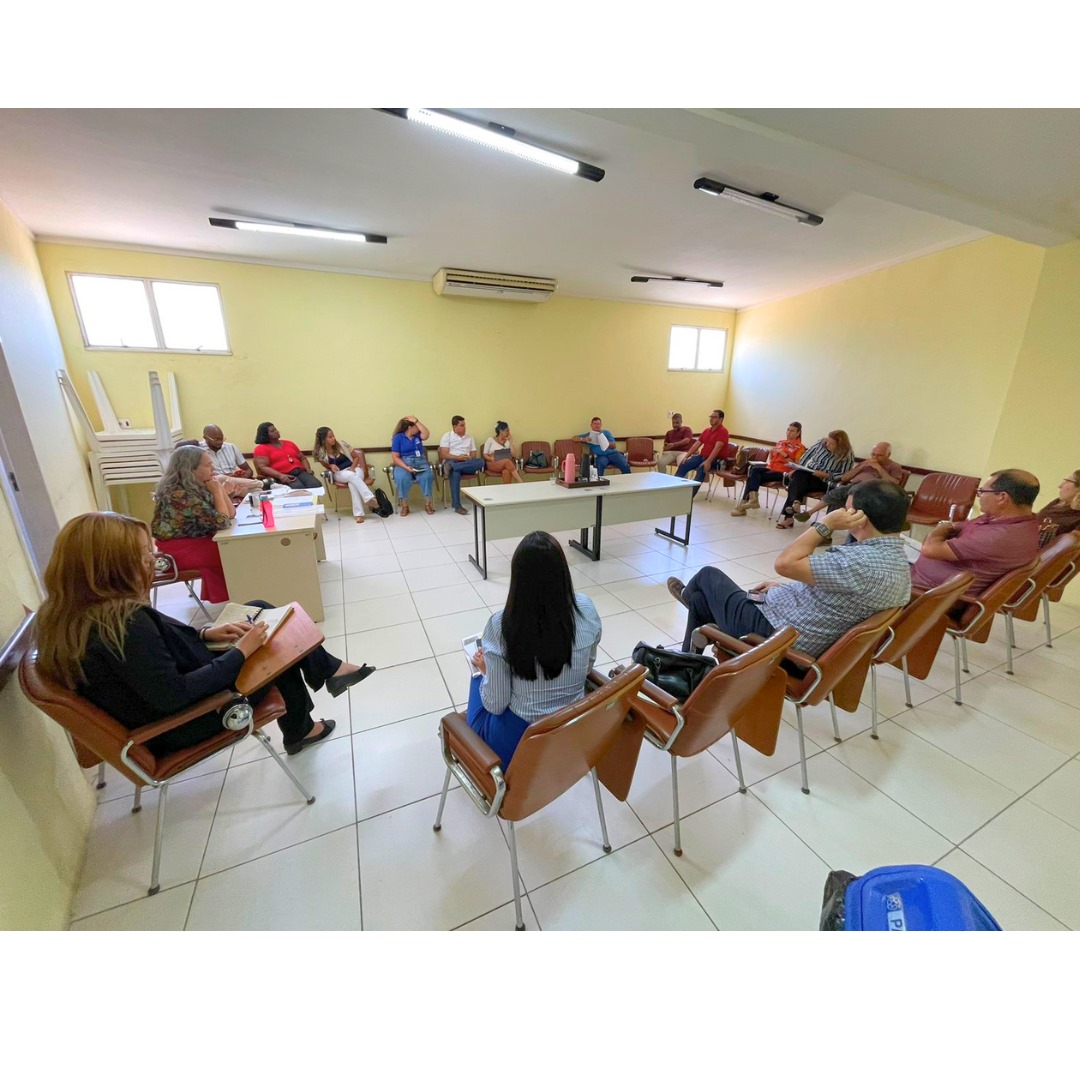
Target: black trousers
point(301, 478)
point(312, 671)
point(714, 598)
point(801, 484)
point(755, 478)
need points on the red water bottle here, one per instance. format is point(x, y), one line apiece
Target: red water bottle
point(568, 469)
point(267, 512)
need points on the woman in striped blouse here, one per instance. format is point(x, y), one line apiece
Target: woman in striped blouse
point(536, 652)
point(825, 461)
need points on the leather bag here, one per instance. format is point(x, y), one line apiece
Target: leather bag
point(677, 673)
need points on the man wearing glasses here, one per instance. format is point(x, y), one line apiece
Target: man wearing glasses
point(708, 451)
point(1004, 536)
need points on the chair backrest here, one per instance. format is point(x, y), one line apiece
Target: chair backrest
point(905, 476)
point(556, 752)
point(567, 446)
point(759, 453)
point(743, 693)
point(844, 664)
point(640, 451)
point(1057, 561)
point(924, 615)
point(527, 448)
point(975, 619)
point(939, 491)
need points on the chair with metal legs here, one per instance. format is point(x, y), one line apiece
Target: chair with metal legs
point(166, 573)
point(837, 675)
point(921, 625)
point(553, 755)
point(743, 695)
point(1058, 564)
point(98, 738)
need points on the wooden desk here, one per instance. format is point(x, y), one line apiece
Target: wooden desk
point(297, 637)
point(507, 510)
point(278, 565)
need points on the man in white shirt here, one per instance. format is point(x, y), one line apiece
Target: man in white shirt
point(229, 464)
point(458, 458)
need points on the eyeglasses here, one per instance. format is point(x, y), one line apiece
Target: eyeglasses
point(987, 491)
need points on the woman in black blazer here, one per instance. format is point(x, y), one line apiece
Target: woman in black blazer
point(98, 635)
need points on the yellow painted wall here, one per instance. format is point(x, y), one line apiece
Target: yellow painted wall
point(920, 354)
point(46, 805)
point(357, 353)
point(1036, 430)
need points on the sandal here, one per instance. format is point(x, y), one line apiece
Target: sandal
point(429, 509)
point(786, 523)
point(404, 511)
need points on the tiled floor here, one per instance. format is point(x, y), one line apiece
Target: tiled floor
point(989, 790)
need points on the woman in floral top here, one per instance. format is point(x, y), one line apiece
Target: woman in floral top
point(190, 506)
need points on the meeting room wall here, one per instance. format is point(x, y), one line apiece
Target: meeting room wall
point(921, 354)
point(46, 806)
point(357, 353)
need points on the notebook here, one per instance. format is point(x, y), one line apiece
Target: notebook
point(501, 455)
point(238, 613)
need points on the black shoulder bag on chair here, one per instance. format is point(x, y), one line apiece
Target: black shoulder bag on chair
point(677, 673)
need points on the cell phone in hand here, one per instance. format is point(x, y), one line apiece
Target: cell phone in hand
point(756, 597)
point(471, 646)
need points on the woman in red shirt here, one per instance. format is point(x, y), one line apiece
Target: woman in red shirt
point(279, 460)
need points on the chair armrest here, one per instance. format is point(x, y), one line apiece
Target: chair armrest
point(473, 753)
point(800, 659)
point(730, 645)
point(142, 735)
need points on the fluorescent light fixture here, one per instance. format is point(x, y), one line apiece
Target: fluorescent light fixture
point(292, 229)
point(498, 137)
point(766, 201)
point(688, 280)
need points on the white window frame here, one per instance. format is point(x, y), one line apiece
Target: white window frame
point(148, 283)
point(695, 370)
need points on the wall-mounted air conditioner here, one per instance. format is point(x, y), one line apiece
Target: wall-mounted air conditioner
point(485, 286)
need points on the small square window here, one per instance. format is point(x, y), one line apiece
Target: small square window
point(149, 315)
point(697, 348)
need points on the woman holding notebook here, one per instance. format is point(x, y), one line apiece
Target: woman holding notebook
point(499, 455)
point(98, 635)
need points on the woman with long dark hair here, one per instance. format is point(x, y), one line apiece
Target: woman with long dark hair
point(348, 466)
point(535, 654)
point(280, 460)
point(98, 635)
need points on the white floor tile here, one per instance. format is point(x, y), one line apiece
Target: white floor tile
point(1046, 676)
point(446, 631)
point(604, 602)
point(1059, 794)
point(891, 700)
point(633, 888)
point(168, 910)
point(504, 918)
point(433, 577)
point(757, 766)
point(669, 618)
point(847, 821)
point(622, 632)
point(702, 780)
point(447, 600)
point(640, 592)
point(369, 565)
point(397, 693)
point(456, 674)
point(376, 614)
point(605, 571)
point(748, 870)
point(276, 893)
point(390, 646)
point(375, 586)
point(414, 878)
point(1043, 718)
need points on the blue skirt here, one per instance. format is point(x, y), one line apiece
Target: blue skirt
point(501, 731)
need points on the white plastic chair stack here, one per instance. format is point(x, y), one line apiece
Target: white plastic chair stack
point(120, 456)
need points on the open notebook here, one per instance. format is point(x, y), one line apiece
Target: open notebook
point(239, 613)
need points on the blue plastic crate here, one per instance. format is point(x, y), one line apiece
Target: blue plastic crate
point(913, 898)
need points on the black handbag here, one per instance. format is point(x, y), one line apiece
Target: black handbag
point(676, 673)
point(537, 460)
point(384, 508)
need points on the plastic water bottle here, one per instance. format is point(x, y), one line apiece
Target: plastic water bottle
point(267, 512)
point(554, 469)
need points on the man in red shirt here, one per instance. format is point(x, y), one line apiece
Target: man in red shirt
point(709, 449)
point(679, 439)
point(1004, 537)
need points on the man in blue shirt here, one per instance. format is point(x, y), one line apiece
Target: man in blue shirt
point(602, 444)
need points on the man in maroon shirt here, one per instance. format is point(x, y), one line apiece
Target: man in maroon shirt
point(678, 439)
point(709, 449)
point(1004, 537)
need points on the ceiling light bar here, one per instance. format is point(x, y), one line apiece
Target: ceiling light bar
point(293, 229)
point(766, 201)
point(498, 137)
point(690, 280)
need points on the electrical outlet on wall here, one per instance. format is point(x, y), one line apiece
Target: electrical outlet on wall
point(670, 414)
point(124, 423)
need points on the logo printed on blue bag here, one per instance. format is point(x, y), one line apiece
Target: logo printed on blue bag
point(895, 907)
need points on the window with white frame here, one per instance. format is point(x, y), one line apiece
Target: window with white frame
point(697, 348)
point(149, 315)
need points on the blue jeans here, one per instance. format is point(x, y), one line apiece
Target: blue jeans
point(697, 462)
point(458, 469)
point(403, 479)
point(610, 457)
point(502, 731)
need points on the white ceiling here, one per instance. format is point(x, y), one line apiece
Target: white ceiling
point(891, 185)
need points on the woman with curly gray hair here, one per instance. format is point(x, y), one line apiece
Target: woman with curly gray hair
point(190, 505)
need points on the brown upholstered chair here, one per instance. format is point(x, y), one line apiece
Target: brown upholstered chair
point(166, 572)
point(553, 755)
point(1058, 563)
point(100, 738)
point(535, 470)
point(940, 491)
point(743, 695)
point(920, 624)
point(726, 473)
point(564, 447)
point(838, 674)
point(730, 477)
point(971, 618)
point(640, 453)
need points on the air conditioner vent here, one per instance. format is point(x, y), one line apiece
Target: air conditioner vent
point(482, 285)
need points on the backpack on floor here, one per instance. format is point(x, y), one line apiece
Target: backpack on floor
point(384, 507)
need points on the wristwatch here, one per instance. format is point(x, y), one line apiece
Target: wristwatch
point(822, 530)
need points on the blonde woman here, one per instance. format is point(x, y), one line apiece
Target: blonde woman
point(1063, 514)
point(338, 457)
point(827, 460)
point(98, 635)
